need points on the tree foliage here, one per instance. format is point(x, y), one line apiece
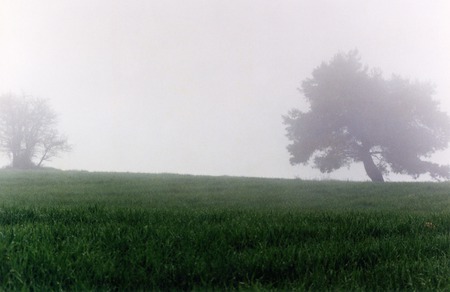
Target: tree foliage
point(356, 115)
point(28, 133)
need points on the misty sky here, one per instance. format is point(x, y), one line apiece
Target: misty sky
point(200, 87)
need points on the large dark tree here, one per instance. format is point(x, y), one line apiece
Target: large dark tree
point(356, 115)
point(28, 133)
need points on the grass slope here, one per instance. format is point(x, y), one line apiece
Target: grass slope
point(108, 231)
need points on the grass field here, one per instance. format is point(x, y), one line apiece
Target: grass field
point(116, 231)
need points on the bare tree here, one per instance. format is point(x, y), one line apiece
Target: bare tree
point(28, 133)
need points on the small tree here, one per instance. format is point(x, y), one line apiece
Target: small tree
point(356, 115)
point(28, 133)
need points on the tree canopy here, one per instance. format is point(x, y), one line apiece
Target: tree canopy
point(356, 115)
point(28, 132)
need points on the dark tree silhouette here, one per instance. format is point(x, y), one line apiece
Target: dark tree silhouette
point(356, 115)
point(28, 133)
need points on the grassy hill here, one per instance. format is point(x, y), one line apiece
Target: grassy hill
point(91, 231)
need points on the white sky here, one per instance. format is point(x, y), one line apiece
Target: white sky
point(199, 87)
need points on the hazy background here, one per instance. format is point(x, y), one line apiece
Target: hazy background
point(199, 87)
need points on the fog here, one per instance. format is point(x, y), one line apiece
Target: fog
point(200, 87)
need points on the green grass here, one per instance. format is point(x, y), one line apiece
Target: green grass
point(116, 231)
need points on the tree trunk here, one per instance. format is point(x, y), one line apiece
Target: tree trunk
point(371, 169)
point(21, 161)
